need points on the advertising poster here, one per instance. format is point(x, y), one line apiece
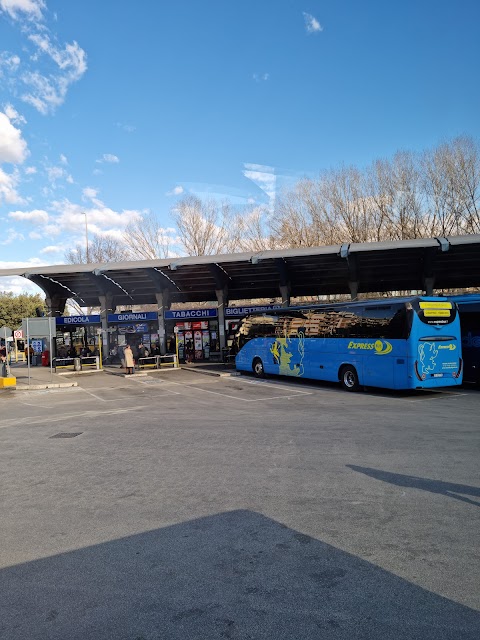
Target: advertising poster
point(196, 326)
point(198, 345)
point(188, 335)
point(203, 324)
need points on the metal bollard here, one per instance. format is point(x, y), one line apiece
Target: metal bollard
point(76, 364)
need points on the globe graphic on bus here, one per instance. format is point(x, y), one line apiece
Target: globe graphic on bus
point(378, 345)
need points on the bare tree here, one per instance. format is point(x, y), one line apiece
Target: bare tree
point(147, 239)
point(203, 226)
point(100, 250)
point(395, 189)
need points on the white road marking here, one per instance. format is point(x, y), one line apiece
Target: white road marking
point(242, 399)
point(25, 421)
point(272, 384)
point(93, 394)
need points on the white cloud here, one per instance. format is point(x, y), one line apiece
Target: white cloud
point(176, 191)
point(69, 179)
point(13, 115)
point(63, 159)
point(47, 92)
point(89, 193)
point(35, 216)
point(34, 235)
point(55, 173)
point(17, 284)
point(29, 171)
point(9, 62)
point(52, 249)
point(23, 8)
point(10, 235)
point(108, 157)
point(129, 128)
point(8, 188)
point(261, 77)
point(312, 25)
point(13, 147)
point(100, 218)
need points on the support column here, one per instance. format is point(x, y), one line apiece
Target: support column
point(55, 305)
point(285, 293)
point(428, 285)
point(163, 303)
point(353, 286)
point(107, 305)
point(222, 299)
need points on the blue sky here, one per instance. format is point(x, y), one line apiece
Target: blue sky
point(119, 108)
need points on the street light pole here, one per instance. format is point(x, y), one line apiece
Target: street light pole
point(86, 233)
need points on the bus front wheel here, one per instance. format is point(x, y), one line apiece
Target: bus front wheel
point(349, 378)
point(258, 369)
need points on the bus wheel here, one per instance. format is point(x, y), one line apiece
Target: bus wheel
point(258, 369)
point(349, 378)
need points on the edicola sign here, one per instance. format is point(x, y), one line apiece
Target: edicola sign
point(68, 320)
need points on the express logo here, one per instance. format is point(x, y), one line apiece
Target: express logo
point(382, 347)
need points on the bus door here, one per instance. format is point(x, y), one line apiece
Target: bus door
point(385, 355)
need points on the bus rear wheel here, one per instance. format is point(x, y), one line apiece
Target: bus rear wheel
point(349, 378)
point(258, 369)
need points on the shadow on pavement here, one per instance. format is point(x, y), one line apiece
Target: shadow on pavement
point(449, 489)
point(231, 575)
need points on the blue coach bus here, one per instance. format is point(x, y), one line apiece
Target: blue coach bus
point(469, 309)
point(401, 343)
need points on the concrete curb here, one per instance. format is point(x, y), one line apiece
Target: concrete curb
point(79, 373)
point(50, 385)
point(121, 374)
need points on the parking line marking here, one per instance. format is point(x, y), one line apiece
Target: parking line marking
point(271, 384)
point(226, 395)
point(93, 394)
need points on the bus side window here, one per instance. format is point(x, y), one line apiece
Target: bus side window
point(385, 321)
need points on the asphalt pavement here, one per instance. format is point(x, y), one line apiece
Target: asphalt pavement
point(179, 505)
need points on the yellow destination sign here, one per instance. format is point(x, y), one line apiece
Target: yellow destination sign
point(435, 305)
point(428, 313)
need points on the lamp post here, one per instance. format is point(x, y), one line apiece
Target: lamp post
point(86, 233)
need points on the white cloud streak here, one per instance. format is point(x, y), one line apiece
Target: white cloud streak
point(13, 147)
point(312, 25)
point(108, 157)
point(16, 9)
point(35, 216)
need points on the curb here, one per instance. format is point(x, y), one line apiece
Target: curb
point(79, 373)
point(51, 385)
point(120, 374)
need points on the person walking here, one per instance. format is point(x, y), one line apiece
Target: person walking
point(129, 361)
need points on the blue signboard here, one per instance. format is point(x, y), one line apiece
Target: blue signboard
point(190, 314)
point(132, 317)
point(65, 320)
point(236, 312)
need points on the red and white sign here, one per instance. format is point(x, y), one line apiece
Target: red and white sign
point(18, 335)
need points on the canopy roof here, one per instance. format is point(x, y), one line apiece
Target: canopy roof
point(452, 262)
